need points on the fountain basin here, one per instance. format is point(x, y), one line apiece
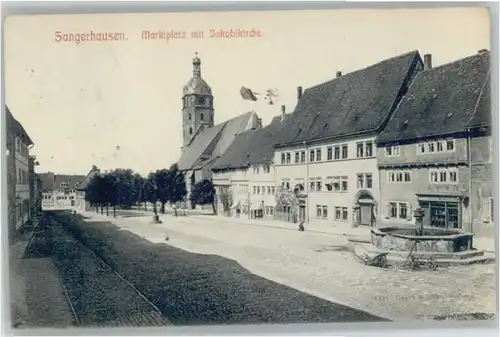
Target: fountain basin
point(437, 240)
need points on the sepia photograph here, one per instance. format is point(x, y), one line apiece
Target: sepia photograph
point(249, 167)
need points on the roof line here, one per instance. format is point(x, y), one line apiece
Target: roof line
point(478, 99)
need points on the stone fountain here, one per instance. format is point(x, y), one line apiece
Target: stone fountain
point(446, 246)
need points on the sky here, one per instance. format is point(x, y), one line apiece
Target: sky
point(117, 104)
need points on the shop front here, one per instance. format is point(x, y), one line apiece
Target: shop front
point(441, 211)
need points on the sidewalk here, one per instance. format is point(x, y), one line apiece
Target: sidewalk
point(36, 294)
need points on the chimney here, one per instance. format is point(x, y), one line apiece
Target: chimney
point(427, 61)
point(299, 92)
point(339, 73)
point(283, 112)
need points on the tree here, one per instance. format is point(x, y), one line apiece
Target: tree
point(203, 193)
point(109, 187)
point(125, 197)
point(286, 199)
point(163, 182)
point(138, 190)
point(226, 198)
point(151, 191)
point(177, 188)
point(94, 192)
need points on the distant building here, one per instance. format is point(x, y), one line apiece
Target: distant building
point(204, 142)
point(59, 190)
point(245, 173)
point(436, 152)
point(18, 190)
point(326, 149)
point(81, 203)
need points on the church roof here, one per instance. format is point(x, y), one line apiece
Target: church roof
point(211, 143)
point(251, 147)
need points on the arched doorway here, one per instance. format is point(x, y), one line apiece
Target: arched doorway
point(364, 208)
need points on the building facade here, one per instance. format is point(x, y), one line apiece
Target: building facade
point(59, 191)
point(81, 203)
point(246, 173)
point(326, 152)
point(18, 174)
point(425, 152)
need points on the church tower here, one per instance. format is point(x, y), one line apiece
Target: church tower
point(197, 104)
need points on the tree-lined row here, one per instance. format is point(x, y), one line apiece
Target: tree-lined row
point(123, 188)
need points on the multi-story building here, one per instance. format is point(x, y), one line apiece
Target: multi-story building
point(246, 172)
point(59, 191)
point(326, 150)
point(425, 152)
point(18, 147)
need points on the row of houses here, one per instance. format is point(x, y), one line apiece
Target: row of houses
point(368, 148)
point(23, 184)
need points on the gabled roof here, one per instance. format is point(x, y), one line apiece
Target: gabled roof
point(442, 100)
point(251, 147)
point(17, 128)
point(357, 102)
point(88, 178)
point(52, 181)
point(212, 142)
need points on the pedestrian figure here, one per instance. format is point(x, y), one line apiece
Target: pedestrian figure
point(301, 226)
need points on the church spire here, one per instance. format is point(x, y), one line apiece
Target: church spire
point(196, 66)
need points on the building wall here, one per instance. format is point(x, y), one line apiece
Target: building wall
point(482, 186)
point(420, 167)
point(261, 189)
point(22, 183)
point(60, 199)
point(329, 170)
point(11, 182)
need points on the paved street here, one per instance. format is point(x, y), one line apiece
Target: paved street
point(319, 265)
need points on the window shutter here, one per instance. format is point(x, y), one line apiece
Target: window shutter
point(387, 211)
point(409, 216)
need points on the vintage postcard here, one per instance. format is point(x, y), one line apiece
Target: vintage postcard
point(225, 168)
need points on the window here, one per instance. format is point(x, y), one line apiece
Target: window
point(369, 149)
point(318, 154)
point(344, 184)
point(287, 185)
point(361, 180)
point(297, 157)
point(392, 150)
point(344, 213)
point(369, 180)
point(282, 158)
point(337, 153)
point(258, 190)
point(329, 153)
point(288, 157)
point(318, 184)
point(344, 151)
point(325, 212)
point(311, 156)
point(272, 190)
point(256, 170)
point(399, 210)
point(439, 146)
point(201, 116)
point(443, 176)
point(359, 150)
point(431, 147)
point(399, 176)
point(263, 189)
point(254, 189)
point(315, 184)
point(318, 211)
point(338, 213)
point(421, 147)
point(303, 156)
point(190, 131)
point(267, 168)
point(393, 209)
point(450, 145)
point(268, 189)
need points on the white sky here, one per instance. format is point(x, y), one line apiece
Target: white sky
point(79, 102)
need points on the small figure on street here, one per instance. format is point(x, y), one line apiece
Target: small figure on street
point(301, 226)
